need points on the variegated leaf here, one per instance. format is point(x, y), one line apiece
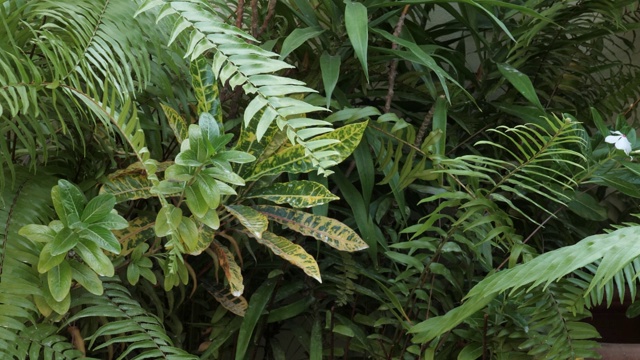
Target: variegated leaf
point(236, 304)
point(139, 230)
point(330, 231)
point(205, 88)
point(254, 221)
point(291, 252)
point(230, 268)
point(176, 122)
point(295, 160)
point(128, 184)
point(299, 193)
point(205, 237)
point(248, 142)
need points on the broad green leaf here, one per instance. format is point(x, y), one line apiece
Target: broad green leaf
point(299, 194)
point(330, 68)
point(204, 239)
point(252, 220)
point(585, 206)
point(290, 310)
point(236, 304)
point(133, 273)
point(357, 23)
point(37, 233)
point(46, 261)
point(521, 82)
point(234, 156)
point(176, 122)
point(60, 307)
point(112, 221)
point(64, 241)
point(128, 184)
point(291, 252)
point(195, 201)
point(102, 237)
point(298, 37)
point(209, 189)
point(168, 220)
point(86, 277)
point(225, 175)
point(230, 267)
point(59, 280)
point(189, 157)
point(211, 219)
point(330, 231)
point(179, 173)
point(257, 305)
point(188, 232)
point(93, 256)
point(295, 160)
point(98, 208)
point(210, 131)
point(68, 201)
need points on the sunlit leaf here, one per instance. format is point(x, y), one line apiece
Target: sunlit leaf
point(291, 252)
point(299, 193)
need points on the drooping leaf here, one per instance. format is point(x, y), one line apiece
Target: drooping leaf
point(521, 82)
point(37, 233)
point(330, 231)
point(251, 219)
point(257, 304)
point(236, 304)
point(176, 122)
point(298, 37)
point(330, 68)
point(230, 267)
point(298, 193)
point(291, 252)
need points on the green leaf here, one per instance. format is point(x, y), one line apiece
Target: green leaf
point(585, 206)
point(189, 157)
point(234, 156)
point(94, 258)
point(298, 37)
point(330, 68)
point(64, 241)
point(112, 221)
point(188, 232)
point(195, 201)
point(210, 131)
point(357, 24)
point(330, 231)
point(295, 160)
point(291, 252)
point(102, 237)
point(254, 221)
point(257, 305)
point(176, 122)
point(205, 236)
point(168, 220)
point(46, 261)
point(59, 280)
point(68, 201)
point(299, 194)
point(37, 233)
point(231, 269)
point(521, 82)
point(315, 341)
point(86, 277)
point(60, 307)
point(98, 208)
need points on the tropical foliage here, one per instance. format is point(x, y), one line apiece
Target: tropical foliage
point(315, 179)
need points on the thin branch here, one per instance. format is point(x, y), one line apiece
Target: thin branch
point(271, 10)
point(239, 14)
point(394, 63)
point(254, 18)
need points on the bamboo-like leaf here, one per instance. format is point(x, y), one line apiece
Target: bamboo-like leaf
point(293, 253)
point(330, 231)
point(257, 304)
point(521, 82)
point(357, 24)
point(298, 193)
point(230, 267)
point(330, 68)
point(294, 159)
point(235, 304)
point(254, 221)
point(298, 37)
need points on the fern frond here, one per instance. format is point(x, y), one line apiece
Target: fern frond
point(27, 202)
point(131, 326)
point(241, 63)
point(42, 342)
point(51, 50)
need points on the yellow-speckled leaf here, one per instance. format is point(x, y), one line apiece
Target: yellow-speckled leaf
point(248, 142)
point(330, 231)
point(230, 268)
point(295, 160)
point(176, 122)
point(299, 193)
point(249, 218)
point(128, 184)
point(205, 88)
point(205, 237)
point(139, 230)
point(291, 252)
point(236, 304)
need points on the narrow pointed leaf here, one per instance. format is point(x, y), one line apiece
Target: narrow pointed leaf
point(230, 268)
point(521, 82)
point(298, 193)
point(330, 68)
point(291, 252)
point(251, 219)
point(357, 24)
point(298, 37)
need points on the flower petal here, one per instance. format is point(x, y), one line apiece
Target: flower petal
point(611, 139)
point(624, 145)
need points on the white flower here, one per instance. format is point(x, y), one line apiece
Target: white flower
point(620, 141)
